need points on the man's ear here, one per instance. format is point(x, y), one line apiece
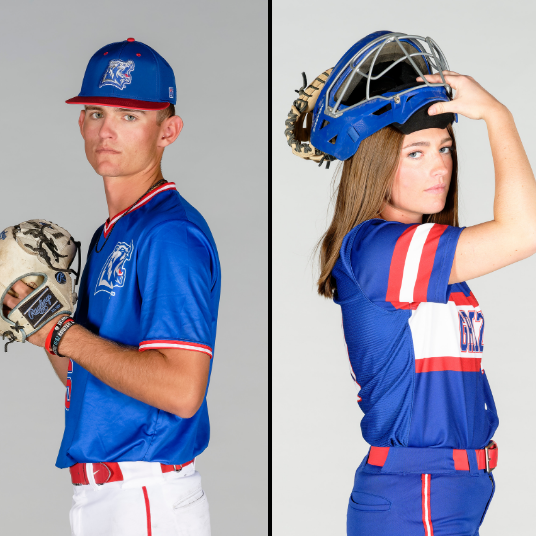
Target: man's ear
point(170, 130)
point(81, 121)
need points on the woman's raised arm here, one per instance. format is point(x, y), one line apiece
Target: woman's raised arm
point(511, 235)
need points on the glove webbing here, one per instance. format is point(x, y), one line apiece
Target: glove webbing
point(38, 233)
point(298, 137)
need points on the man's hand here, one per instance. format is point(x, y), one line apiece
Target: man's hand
point(21, 290)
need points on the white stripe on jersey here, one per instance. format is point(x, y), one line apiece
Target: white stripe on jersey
point(413, 259)
point(183, 346)
point(435, 330)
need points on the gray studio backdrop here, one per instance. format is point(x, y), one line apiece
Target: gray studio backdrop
point(317, 438)
point(218, 51)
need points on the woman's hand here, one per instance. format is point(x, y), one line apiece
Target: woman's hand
point(470, 100)
point(511, 235)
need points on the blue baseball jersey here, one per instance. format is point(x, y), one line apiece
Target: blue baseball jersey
point(415, 343)
point(155, 284)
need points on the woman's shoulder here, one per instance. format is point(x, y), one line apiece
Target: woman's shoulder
point(401, 263)
point(379, 233)
point(376, 233)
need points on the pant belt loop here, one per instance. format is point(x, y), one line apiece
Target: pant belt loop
point(473, 462)
point(91, 477)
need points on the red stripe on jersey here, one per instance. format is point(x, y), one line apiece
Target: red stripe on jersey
point(396, 270)
point(459, 364)
point(426, 263)
point(405, 305)
point(459, 298)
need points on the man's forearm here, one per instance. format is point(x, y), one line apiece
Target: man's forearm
point(60, 366)
point(148, 376)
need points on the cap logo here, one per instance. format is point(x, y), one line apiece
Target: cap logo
point(117, 74)
point(170, 92)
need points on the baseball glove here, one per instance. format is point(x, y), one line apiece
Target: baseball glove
point(298, 123)
point(39, 253)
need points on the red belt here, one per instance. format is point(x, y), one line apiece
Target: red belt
point(486, 458)
point(110, 472)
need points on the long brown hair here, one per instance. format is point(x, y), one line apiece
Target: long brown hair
point(364, 187)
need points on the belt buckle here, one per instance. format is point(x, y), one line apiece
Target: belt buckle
point(489, 446)
point(177, 470)
point(109, 474)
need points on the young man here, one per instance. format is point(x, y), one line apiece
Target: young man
point(137, 361)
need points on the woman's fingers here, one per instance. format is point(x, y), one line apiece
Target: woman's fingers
point(450, 77)
point(440, 108)
point(470, 99)
point(445, 73)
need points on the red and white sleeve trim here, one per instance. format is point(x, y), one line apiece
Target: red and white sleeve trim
point(183, 345)
point(412, 264)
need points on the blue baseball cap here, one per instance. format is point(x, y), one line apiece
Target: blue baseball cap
point(128, 74)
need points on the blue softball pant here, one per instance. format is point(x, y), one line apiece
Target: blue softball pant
point(418, 504)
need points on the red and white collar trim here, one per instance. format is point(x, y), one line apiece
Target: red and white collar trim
point(144, 200)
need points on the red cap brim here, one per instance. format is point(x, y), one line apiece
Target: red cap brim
point(131, 104)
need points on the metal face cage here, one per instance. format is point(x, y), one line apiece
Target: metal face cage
point(421, 53)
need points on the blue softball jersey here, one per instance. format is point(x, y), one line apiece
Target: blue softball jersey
point(415, 343)
point(155, 284)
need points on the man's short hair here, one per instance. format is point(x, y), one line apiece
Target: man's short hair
point(162, 115)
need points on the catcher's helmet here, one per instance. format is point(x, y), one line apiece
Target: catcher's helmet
point(374, 85)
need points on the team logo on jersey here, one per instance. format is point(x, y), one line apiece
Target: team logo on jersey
point(471, 331)
point(113, 272)
point(117, 74)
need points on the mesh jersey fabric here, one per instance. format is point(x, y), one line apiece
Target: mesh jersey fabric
point(154, 284)
point(414, 342)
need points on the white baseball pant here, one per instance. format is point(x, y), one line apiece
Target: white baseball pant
point(145, 503)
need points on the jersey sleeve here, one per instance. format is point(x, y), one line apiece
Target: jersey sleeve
point(177, 269)
point(398, 266)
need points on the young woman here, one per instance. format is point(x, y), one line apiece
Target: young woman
point(396, 261)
